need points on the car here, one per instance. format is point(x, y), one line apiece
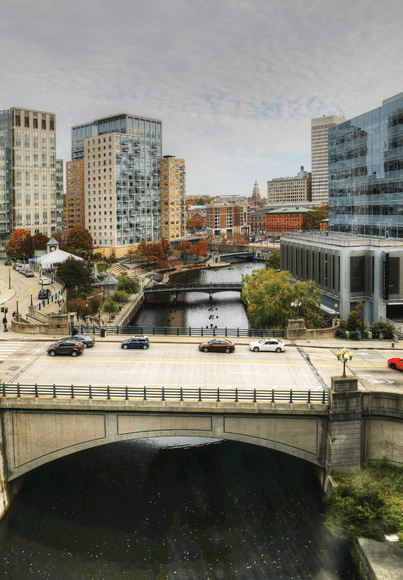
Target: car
point(28, 274)
point(86, 339)
point(71, 347)
point(217, 345)
point(396, 363)
point(44, 281)
point(267, 344)
point(136, 342)
point(17, 267)
point(44, 293)
point(7, 263)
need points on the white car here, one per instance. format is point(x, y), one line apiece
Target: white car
point(44, 281)
point(269, 344)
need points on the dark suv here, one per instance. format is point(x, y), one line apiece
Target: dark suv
point(43, 294)
point(136, 342)
point(66, 347)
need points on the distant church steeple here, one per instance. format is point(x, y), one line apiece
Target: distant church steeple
point(256, 193)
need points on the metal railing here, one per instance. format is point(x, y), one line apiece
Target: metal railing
point(162, 394)
point(398, 327)
point(181, 331)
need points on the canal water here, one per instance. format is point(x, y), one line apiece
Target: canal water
point(178, 508)
point(195, 309)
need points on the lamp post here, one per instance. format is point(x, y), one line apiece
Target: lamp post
point(9, 279)
point(345, 355)
point(296, 305)
point(17, 306)
point(60, 301)
point(335, 308)
point(31, 300)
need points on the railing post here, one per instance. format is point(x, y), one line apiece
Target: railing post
point(218, 395)
point(89, 392)
point(126, 393)
point(4, 389)
point(36, 391)
point(108, 396)
point(18, 390)
point(54, 391)
point(237, 332)
point(201, 331)
point(236, 394)
point(177, 331)
point(272, 395)
point(200, 398)
point(290, 395)
point(226, 334)
point(181, 397)
point(163, 394)
point(190, 331)
point(145, 394)
point(324, 397)
point(254, 395)
point(309, 396)
point(72, 392)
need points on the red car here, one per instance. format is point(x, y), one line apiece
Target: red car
point(396, 363)
point(217, 345)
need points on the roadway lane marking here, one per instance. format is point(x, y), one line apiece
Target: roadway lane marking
point(178, 361)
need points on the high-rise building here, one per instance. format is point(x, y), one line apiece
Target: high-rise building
point(290, 189)
point(366, 172)
point(173, 189)
point(75, 191)
point(256, 194)
point(319, 152)
point(122, 187)
point(59, 195)
point(28, 192)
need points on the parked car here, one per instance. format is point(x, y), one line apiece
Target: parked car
point(136, 342)
point(17, 267)
point(396, 363)
point(87, 340)
point(66, 346)
point(28, 274)
point(217, 345)
point(44, 281)
point(44, 293)
point(267, 344)
point(7, 263)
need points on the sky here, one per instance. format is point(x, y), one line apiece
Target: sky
point(235, 82)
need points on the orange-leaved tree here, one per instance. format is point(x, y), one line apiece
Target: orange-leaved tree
point(20, 245)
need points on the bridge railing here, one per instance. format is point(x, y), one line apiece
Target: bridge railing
point(149, 393)
point(182, 331)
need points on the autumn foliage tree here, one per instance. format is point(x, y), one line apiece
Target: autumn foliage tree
point(20, 245)
point(312, 218)
point(157, 252)
point(79, 242)
point(40, 241)
point(61, 239)
point(268, 296)
point(194, 224)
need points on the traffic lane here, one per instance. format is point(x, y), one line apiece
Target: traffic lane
point(369, 366)
point(174, 365)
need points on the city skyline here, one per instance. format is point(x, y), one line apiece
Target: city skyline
point(236, 84)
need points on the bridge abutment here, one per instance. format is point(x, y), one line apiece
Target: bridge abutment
point(345, 434)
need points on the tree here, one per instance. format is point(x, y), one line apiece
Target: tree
point(110, 307)
point(273, 261)
point(20, 245)
point(76, 274)
point(60, 237)
point(268, 296)
point(200, 248)
point(79, 242)
point(186, 248)
point(40, 240)
point(193, 224)
point(312, 218)
point(129, 285)
point(158, 252)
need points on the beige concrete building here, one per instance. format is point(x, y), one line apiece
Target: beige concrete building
point(290, 189)
point(319, 152)
point(173, 188)
point(28, 181)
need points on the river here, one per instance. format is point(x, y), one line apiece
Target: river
point(171, 509)
point(196, 310)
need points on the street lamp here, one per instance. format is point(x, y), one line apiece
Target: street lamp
point(345, 355)
point(17, 306)
point(9, 279)
point(60, 301)
point(31, 300)
point(296, 305)
point(336, 307)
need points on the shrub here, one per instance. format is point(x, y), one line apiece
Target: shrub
point(385, 327)
point(120, 297)
point(128, 284)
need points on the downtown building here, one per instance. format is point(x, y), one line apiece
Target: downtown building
point(121, 157)
point(31, 183)
point(227, 218)
point(173, 190)
point(319, 155)
point(290, 189)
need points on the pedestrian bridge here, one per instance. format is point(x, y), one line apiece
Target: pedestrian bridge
point(336, 430)
point(206, 288)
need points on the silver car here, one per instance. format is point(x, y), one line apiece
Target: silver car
point(267, 344)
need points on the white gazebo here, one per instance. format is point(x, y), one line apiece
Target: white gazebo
point(55, 257)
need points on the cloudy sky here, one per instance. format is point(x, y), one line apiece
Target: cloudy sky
point(235, 82)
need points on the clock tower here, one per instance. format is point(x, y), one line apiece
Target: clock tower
point(52, 245)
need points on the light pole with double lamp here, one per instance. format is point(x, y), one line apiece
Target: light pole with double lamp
point(345, 355)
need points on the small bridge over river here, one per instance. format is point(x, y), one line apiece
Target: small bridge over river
point(206, 288)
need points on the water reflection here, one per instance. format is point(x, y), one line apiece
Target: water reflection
point(164, 508)
point(194, 309)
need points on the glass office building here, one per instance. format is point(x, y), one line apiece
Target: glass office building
point(366, 172)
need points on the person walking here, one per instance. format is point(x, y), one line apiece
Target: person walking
point(5, 329)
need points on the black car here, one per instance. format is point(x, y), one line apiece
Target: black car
point(136, 342)
point(66, 347)
point(7, 263)
point(43, 294)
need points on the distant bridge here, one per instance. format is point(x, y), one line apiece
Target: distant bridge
point(207, 288)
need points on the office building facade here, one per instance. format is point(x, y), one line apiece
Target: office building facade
point(366, 172)
point(122, 180)
point(29, 196)
point(319, 153)
point(173, 189)
point(290, 189)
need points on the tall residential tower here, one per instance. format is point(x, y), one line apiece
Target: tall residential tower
point(173, 189)
point(319, 151)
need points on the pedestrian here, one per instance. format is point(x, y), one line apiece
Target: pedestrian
point(5, 324)
point(13, 313)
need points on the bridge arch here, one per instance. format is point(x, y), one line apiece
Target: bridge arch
point(35, 438)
